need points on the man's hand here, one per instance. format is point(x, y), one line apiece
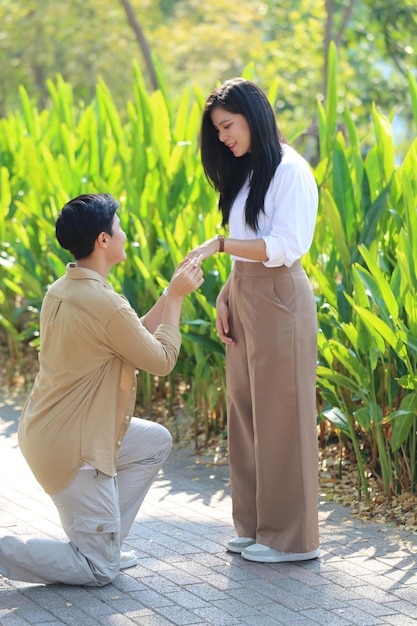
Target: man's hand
point(188, 277)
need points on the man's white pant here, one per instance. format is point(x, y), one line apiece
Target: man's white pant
point(96, 512)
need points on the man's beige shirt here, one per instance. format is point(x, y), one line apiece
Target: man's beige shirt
point(84, 395)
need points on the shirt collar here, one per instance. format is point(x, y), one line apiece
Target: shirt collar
point(82, 273)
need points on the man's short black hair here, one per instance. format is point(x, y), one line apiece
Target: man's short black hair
point(82, 219)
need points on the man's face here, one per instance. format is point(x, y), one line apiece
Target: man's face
point(116, 243)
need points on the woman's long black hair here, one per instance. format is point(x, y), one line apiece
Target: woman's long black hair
point(228, 173)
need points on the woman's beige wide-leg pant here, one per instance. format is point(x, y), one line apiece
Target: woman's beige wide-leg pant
point(271, 387)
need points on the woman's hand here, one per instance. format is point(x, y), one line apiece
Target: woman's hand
point(187, 277)
point(204, 250)
point(222, 320)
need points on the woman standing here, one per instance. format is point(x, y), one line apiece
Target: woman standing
point(266, 316)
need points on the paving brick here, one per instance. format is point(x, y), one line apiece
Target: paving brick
point(217, 617)
point(115, 619)
point(10, 619)
point(179, 615)
point(33, 615)
point(373, 608)
point(329, 618)
point(154, 620)
point(50, 623)
point(196, 570)
point(282, 614)
point(374, 593)
point(264, 620)
point(399, 620)
point(187, 599)
point(408, 593)
point(151, 599)
point(207, 592)
point(409, 609)
point(252, 599)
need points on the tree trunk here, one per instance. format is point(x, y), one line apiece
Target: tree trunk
point(328, 33)
point(141, 39)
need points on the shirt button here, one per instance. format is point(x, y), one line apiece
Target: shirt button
point(127, 417)
point(119, 443)
point(100, 528)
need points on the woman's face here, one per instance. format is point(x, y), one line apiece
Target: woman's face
point(233, 130)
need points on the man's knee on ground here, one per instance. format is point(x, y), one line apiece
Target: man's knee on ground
point(105, 577)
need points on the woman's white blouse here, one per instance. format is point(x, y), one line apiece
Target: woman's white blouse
point(291, 203)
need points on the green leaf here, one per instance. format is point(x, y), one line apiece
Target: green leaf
point(325, 373)
point(385, 294)
point(321, 115)
point(380, 327)
point(343, 191)
point(208, 343)
point(331, 96)
point(408, 381)
point(350, 361)
point(385, 143)
point(403, 421)
point(373, 218)
point(337, 418)
point(333, 215)
point(412, 83)
point(363, 417)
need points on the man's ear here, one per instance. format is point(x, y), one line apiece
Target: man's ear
point(102, 240)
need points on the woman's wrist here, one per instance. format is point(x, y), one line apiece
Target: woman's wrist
point(222, 298)
point(221, 239)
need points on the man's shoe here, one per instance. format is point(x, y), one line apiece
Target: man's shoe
point(128, 559)
point(264, 554)
point(239, 543)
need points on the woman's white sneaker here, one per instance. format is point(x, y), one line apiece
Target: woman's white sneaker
point(239, 543)
point(264, 554)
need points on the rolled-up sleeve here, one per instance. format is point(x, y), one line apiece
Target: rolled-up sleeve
point(292, 202)
point(132, 342)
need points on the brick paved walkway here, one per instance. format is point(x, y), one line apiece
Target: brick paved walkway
point(366, 575)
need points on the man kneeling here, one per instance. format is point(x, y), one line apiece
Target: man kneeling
point(76, 430)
